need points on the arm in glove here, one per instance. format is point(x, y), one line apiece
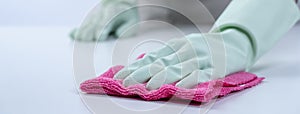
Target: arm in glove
point(110, 17)
point(264, 21)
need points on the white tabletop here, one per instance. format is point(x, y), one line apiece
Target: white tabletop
point(37, 76)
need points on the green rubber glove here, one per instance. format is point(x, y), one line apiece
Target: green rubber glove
point(248, 29)
point(188, 60)
point(109, 17)
point(264, 21)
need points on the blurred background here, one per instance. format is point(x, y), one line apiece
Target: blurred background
point(43, 12)
point(52, 12)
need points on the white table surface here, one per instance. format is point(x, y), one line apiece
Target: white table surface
point(36, 76)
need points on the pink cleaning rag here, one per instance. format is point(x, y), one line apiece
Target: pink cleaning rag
point(204, 92)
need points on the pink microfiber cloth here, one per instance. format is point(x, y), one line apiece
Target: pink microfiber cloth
point(204, 92)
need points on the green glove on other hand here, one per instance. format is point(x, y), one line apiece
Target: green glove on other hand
point(110, 17)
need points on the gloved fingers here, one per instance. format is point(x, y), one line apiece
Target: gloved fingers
point(92, 33)
point(125, 72)
point(102, 34)
point(181, 55)
point(169, 54)
point(150, 58)
point(142, 75)
point(195, 78)
point(172, 74)
point(161, 78)
point(96, 26)
point(121, 18)
point(148, 61)
point(90, 26)
point(127, 29)
point(72, 33)
point(170, 47)
point(130, 81)
point(122, 74)
point(84, 34)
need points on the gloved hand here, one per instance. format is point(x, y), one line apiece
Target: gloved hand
point(110, 17)
point(245, 36)
point(189, 60)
